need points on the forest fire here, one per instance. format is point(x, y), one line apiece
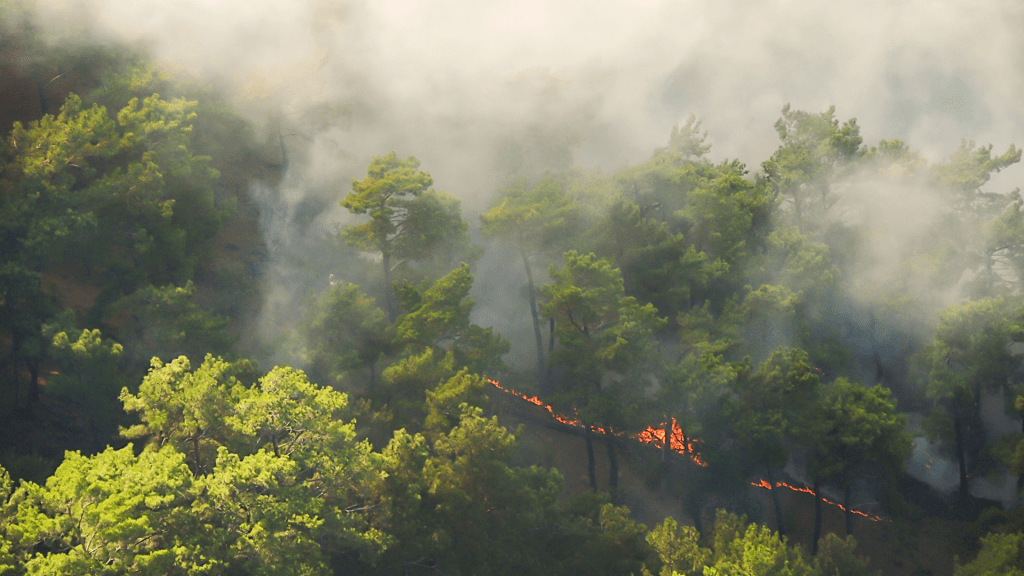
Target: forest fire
point(679, 443)
point(767, 486)
point(651, 435)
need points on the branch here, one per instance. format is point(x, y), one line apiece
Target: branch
point(573, 322)
point(399, 263)
point(55, 78)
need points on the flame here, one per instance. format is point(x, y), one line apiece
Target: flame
point(765, 484)
point(651, 435)
point(678, 443)
point(537, 402)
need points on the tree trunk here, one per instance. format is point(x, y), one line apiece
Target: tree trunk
point(373, 380)
point(613, 469)
point(551, 336)
point(1020, 476)
point(284, 153)
point(666, 450)
point(12, 364)
point(94, 434)
point(536, 318)
point(588, 435)
point(666, 456)
point(195, 452)
point(780, 525)
point(798, 209)
point(976, 405)
point(817, 517)
point(848, 511)
point(44, 104)
point(824, 199)
point(695, 508)
point(389, 293)
point(546, 383)
point(33, 384)
point(961, 457)
point(10, 370)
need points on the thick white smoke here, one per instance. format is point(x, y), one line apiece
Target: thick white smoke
point(447, 80)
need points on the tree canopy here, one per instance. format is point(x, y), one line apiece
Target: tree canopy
point(287, 415)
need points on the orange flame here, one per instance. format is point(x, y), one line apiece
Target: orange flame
point(765, 484)
point(651, 435)
point(679, 443)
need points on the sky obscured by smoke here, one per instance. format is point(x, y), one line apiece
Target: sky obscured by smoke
point(456, 83)
point(479, 89)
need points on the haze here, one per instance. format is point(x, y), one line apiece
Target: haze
point(447, 81)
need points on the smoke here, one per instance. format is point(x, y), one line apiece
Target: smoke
point(478, 90)
point(449, 80)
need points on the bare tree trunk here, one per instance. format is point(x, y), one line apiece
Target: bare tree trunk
point(551, 336)
point(284, 153)
point(780, 525)
point(1020, 482)
point(11, 365)
point(10, 369)
point(196, 455)
point(546, 383)
point(373, 380)
point(817, 517)
point(536, 318)
point(588, 435)
point(695, 508)
point(33, 383)
point(666, 455)
point(613, 469)
point(798, 209)
point(961, 457)
point(666, 450)
point(389, 293)
point(41, 89)
point(848, 512)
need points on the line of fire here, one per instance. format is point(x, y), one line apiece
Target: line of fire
point(680, 444)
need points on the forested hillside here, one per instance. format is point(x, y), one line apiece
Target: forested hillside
point(198, 376)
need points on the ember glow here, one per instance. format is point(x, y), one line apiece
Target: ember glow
point(679, 443)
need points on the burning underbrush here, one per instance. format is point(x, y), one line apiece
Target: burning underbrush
point(897, 547)
point(679, 443)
